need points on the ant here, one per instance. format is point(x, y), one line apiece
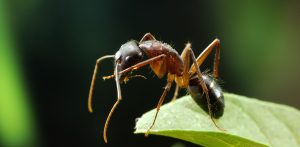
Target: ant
point(164, 59)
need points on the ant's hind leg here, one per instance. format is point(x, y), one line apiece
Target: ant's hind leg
point(205, 90)
point(161, 100)
point(200, 59)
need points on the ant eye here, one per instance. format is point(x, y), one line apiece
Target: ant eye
point(128, 58)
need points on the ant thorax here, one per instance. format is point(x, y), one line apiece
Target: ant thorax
point(172, 63)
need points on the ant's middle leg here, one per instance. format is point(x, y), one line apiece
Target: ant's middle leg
point(183, 81)
point(175, 93)
point(161, 100)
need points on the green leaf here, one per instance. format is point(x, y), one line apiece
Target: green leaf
point(247, 121)
point(17, 126)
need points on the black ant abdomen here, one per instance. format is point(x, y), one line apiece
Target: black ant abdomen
point(215, 94)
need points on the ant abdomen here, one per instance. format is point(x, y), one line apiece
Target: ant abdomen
point(215, 94)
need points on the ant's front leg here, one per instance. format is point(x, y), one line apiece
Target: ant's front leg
point(138, 65)
point(117, 75)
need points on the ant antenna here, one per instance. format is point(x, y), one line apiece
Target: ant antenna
point(117, 77)
point(94, 79)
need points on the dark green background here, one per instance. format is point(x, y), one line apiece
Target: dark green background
point(53, 46)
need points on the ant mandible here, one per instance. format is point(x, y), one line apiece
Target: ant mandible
point(164, 59)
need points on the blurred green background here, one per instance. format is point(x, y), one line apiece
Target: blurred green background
point(48, 49)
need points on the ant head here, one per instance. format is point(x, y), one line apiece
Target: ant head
point(129, 54)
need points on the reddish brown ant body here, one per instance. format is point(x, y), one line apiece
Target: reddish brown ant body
point(164, 59)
